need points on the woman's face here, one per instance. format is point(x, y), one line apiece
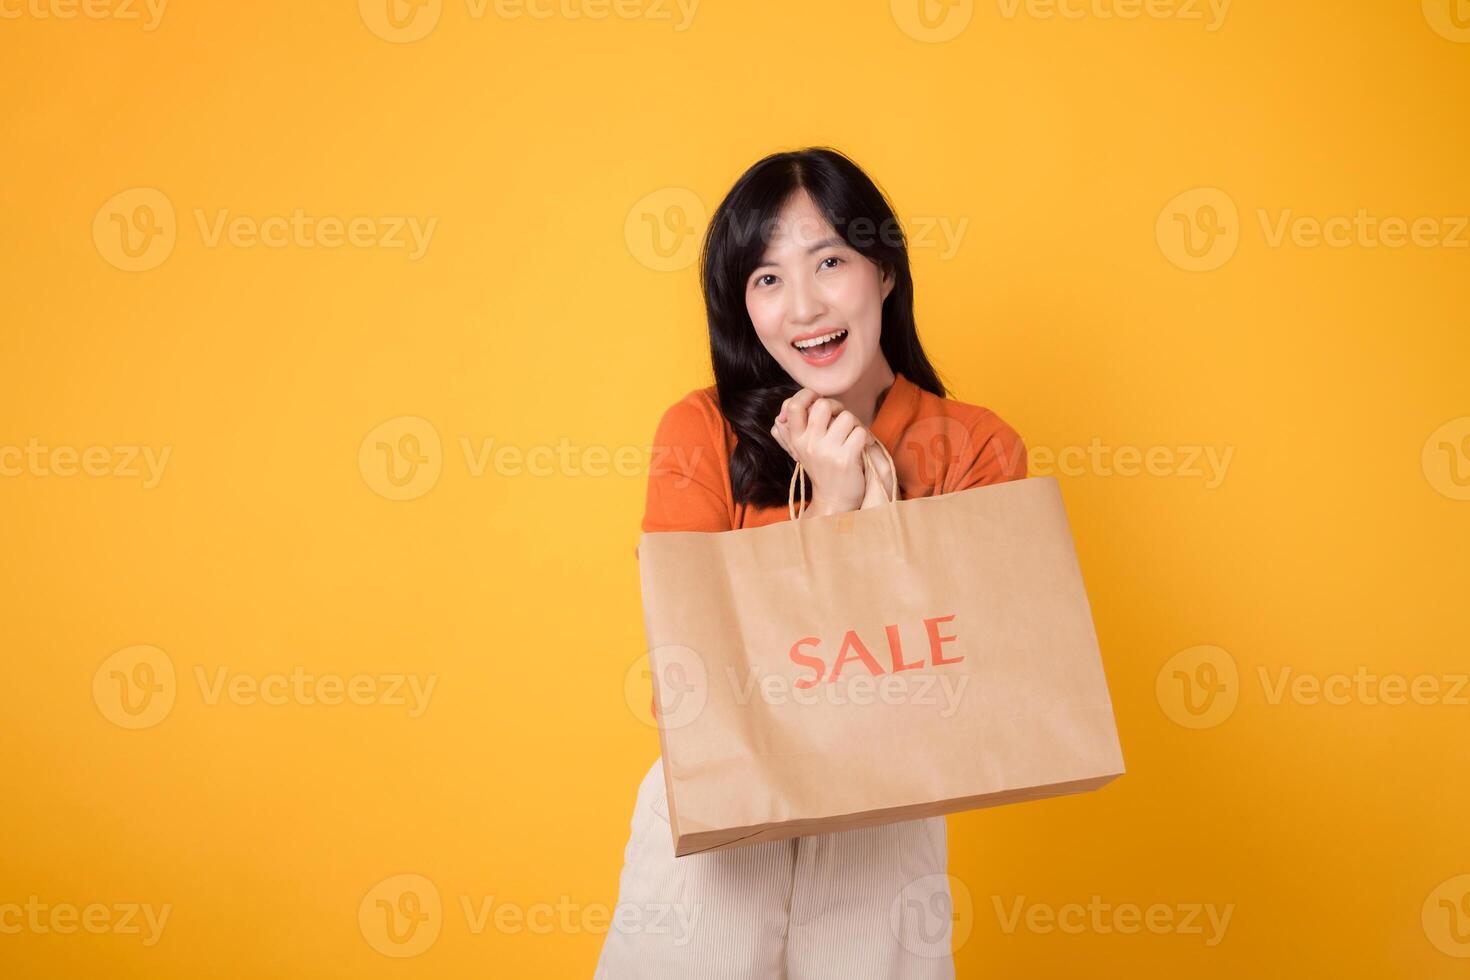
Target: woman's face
point(810, 284)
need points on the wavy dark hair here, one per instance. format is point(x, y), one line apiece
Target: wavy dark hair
point(750, 382)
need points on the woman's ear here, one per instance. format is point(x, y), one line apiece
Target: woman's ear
point(889, 278)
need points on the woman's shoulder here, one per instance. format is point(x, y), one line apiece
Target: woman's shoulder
point(693, 419)
point(979, 444)
point(688, 479)
point(967, 416)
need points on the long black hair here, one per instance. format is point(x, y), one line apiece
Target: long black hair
point(750, 382)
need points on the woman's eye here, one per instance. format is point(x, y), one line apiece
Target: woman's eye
point(831, 258)
point(760, 280)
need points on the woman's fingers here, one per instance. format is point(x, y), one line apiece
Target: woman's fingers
point(827, 440)
point(878, 476)
point(778, 431)
point(842, 426)
point(818, 417)
point(795, 410)
point(882, 471)
point(872, 489)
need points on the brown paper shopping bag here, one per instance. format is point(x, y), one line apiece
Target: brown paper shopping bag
point(917, 658)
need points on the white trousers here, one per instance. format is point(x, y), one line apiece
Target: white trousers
point(872, 903)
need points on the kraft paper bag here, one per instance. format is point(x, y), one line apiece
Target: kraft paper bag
point(921, 657)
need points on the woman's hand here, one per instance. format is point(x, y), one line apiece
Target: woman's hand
point(828, 442)
point(879, 474)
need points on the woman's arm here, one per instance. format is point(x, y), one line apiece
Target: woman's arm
point(687, 486)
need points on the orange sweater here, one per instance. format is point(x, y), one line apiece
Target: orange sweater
point(940, 445)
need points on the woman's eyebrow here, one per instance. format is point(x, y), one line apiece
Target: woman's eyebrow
point(824, 243)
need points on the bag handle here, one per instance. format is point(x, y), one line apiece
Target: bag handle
point(890, 497)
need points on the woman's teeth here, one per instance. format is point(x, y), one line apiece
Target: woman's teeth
point(816, 344)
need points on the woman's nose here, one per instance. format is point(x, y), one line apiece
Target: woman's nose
point(806, 301)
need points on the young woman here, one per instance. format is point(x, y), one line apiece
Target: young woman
point(816, 358)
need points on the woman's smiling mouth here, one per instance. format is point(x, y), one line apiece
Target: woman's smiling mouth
point(822, 348)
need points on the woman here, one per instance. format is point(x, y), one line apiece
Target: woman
point(816, 356)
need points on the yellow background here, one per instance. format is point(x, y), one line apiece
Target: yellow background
point(537, 315)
